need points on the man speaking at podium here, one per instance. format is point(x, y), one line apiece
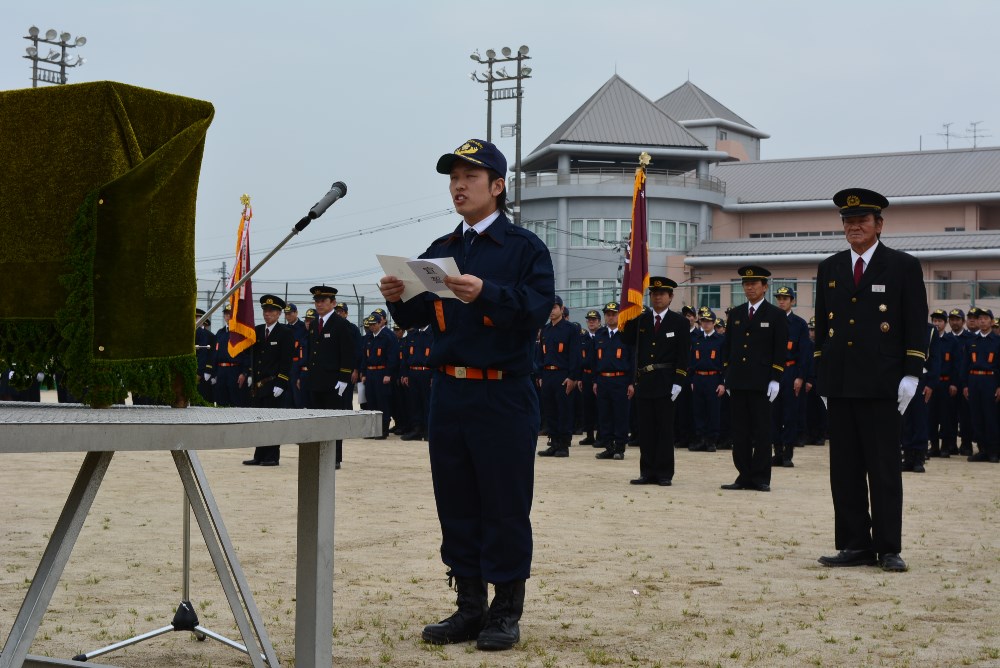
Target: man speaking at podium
point(483, 424)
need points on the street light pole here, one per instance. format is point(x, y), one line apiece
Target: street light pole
point(54, 57)
point(516, 92)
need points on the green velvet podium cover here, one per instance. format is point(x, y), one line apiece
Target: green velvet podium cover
point(97, 214)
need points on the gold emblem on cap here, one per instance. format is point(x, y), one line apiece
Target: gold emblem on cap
point(748, 272)
point(657, 284)
point(883, 308)
point(853, 200)
point(467, 149)
point(269, 301)
point(884, 327)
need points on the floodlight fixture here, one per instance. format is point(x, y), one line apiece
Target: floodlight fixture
point(491, 54)
point(525, 71)
point(80, 41)
point(475, 55)
point(51, 35)
point(505, 51)
point(53, 55)
point(33, 31)
point(65, 37)
point(32, 51)
point(523, 50)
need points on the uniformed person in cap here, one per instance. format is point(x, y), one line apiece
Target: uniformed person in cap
point(560, 365)
point(586, 384)
point(379, 368)
point(341, 310)
point(229, 373)
point(416, 374)
point(980, 373)
point(963, 336)
point(915, 431)
point(272, 367)
point(332, 351)
point(787, 410)
point(941, 409)
point(684, 427)
point(754, 358)
point(613, 376)
point(484, 421)
point(296, 395)
point(871, 343)
point(662, 340)
point(705, 374)
point(204, 346)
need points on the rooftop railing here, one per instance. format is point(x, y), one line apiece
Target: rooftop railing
point(624, 176)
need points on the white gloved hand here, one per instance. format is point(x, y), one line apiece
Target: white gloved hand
point(207, 376)
point(40, 376)
point(824, 402)
point(772, 390)
point(10, 376)
point(340, 387)
point(674, 391)
point(213, 381)
point(907, 388)
point(278, 392)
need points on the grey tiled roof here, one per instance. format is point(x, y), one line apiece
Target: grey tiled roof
point(958, 241)
point(619, 114)
point(947, 172)
point(687, 102)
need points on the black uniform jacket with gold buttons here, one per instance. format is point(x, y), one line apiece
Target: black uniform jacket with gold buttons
point(332, 354)
point(754, 350)
point(272, 358)
point(869, 337)
point(661, 357)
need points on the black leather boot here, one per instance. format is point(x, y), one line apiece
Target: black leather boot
point(501, 630)
point(467, 621)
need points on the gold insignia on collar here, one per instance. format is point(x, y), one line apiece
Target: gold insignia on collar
point(884, 327)
point(830, 333)
point(883, 308)
point(830, 316)
point(853, 200)
point(831, 284)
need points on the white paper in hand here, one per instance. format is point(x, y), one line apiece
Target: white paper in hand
point(420, 276)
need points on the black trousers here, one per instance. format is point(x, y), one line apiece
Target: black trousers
point(751, 425)
point(332, 400)
point(264, 398)
point(864, 462)
point(656, 437)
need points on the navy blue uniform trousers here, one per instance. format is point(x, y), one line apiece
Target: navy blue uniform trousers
point(558, 404)
point(482, 436)
point(613, 409)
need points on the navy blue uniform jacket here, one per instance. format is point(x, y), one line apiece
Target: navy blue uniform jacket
point(497, 330)
point(754, 351)
point(869, 337)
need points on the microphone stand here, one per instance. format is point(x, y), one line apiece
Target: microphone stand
point(185, 618)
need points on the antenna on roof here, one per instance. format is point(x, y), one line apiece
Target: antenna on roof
point(946, 134)
point(976, 133)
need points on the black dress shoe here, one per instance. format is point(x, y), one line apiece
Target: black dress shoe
point(664, 482)
point(762, 487)
point(338, 466)
point(979, 457)
point(788, 463)
point(643, 480)
point(851, 558)
point(269, 463)
point(734, 485)
point(892, 563)
point(251, 462)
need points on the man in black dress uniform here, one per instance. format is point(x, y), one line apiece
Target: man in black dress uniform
point(662, 340)
point(332, 358)
point(753, 356)
point(272, 367)
point(871, 342)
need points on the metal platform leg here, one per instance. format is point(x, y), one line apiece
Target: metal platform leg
point(57, 553)
point(314, 565)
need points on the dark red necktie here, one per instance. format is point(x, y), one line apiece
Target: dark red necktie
point(267, 334)
point(750, 313)
point(656, 324)
point(859, 269)
point(319, 325)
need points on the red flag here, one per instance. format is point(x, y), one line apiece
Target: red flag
point(241, 332)
point(636, 278)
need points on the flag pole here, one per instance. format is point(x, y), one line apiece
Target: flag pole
point(299, 226)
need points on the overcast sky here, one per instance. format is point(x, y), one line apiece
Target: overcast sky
point(371, 93)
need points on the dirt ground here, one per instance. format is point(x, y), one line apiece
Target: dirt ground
point(623, 576)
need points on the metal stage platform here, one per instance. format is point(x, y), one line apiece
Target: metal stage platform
point(99, 433)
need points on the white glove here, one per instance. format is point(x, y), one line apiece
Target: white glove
point(674, 391)
point(907, 388)
point(340, 387)
point(824, 402)
point(213, 381)
point(278, 392)
point(208, 377)
point(772, 390)
point(10, 376)
point(40, 376)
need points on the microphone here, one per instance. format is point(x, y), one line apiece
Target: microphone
point(337, 190)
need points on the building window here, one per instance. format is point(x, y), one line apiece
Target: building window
point(954, 229)
point(663, 234)
point(710, 296)
point(591, 293)
point(723, 135)
point(736, 295)
point(546, 230)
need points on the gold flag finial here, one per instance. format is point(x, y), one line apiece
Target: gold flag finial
point(645, 159)
point(245, 199)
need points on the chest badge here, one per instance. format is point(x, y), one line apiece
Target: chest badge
point(884, 327)
point(883, 308)
point(832, 284)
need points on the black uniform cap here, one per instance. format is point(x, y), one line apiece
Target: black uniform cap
point(859, 201)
